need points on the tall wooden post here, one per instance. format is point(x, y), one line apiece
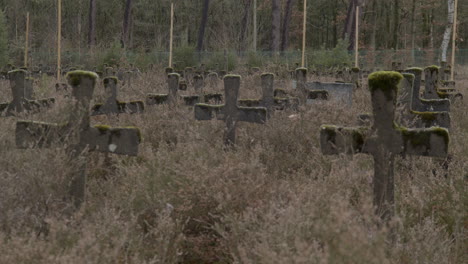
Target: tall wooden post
point(454, 40)
point(171, 34)
point(356, 40)
point(26, 44)
point(255, 25)
point(59, 40)
point(304, 28)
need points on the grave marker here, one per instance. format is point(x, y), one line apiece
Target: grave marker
point(269, 100)
point(230, 112)
point(78, 134)
point(384, 139)
point(112, 105)
point(21, 89)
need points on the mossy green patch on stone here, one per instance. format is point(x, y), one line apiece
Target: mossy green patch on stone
point(75, 77)
point(414, 69)
point(385, 81)
point(423, 137)
point(432, 68)
point(111, 78)
point(17, 71)
point(103, 129)
point(232, 76)
point(355, 69)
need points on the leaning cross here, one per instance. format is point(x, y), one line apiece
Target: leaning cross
point(21, 89)
point(230, 112)
point(269, 100)
point(112, 105)
point(384, 140)
point(78, 134)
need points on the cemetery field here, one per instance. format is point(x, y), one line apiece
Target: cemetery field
point(274, 198)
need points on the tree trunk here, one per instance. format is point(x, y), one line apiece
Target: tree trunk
point(448, 30)
point(275, 25)
point(126, 23)
point(92, 23)
point(286, 22)
point(201, 32)
point(348, 32)
point(245, 22)
point(396, 23)
point(413, 32)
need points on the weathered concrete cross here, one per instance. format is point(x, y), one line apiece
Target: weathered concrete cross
point(384, 140)
point(172, 97)
point(336, 92)
point(21, 88)
point(425, 105)
point(230, 112)
point(77, 134)
point(112, 105)
point(269, 100)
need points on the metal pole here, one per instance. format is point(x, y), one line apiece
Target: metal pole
point(454, 39)
point(26, 44)
point(356, 40)
point(59, 40)
point(304, 28)
point(171, 35)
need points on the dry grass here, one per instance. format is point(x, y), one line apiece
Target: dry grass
point(276, 199)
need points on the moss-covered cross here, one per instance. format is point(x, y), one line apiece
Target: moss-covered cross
point(384, 139)
point(112, 105)
point(171, 98)
point(312, 91)
point(22, 90)
point(269, 100)
point(77, 134)
point(230, 112)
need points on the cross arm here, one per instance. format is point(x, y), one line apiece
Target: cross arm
point(208, 112)
point(252, 114)
point(31, 134)
point(132, 107)
point(431, 142)
point(435, 105)
point(335, 140)
point(121, 141)
point(156, 99)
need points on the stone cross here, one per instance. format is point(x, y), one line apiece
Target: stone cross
point(77, 133)
point(336, 92)
point(21, 88)
point(269, 100)
point(112, 105)
point(425, 105)
point(230, 112)
point(384, 139)
point(418, 119)
point(171, 98)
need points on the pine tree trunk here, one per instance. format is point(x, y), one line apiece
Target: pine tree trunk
point(286, 22)
point(245, 22)
point(201, 32)
point(92, 23)
point(275, 25)
point(126, 23)
point(448, 30)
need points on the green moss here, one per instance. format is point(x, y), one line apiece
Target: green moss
point(17, 71)
point(355, 69)
point(414, 69)
point(426, 116)
point(386, 81)
point(103, 129)
point(210, 107)
point(267, 74)
point(29, 79)
point(432, 68)
point(232, 76)
point(173, 74)
point(410, 77)
point(112, 78)
point(74, 77)
point(422, 137)
point(302, 70)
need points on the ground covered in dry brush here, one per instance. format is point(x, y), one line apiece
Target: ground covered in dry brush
point(184, 199)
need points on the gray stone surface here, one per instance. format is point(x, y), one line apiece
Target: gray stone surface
point(383, 140)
